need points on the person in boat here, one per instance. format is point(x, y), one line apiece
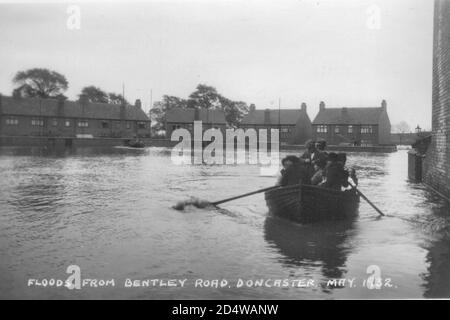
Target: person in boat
point(307, 158)
point(310, 146)
point(321, 145)
point(293, 172)
point(319, 174)
point(342, 160)
point(334, 172)
point(319, 155)
point(349, 173)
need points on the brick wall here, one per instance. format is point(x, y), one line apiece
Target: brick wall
point(437, 164)
point(54, 126)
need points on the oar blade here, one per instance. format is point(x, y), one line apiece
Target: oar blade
point(181, 205)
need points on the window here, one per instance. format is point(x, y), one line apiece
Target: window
point(83, 124)
point(37, 122)
point(12, 121)
point(285, 130)
point(322, 129)
point(67, 123)
point(105, 124)
point(350, 129)
point(128, 125)
point(141, 125)
point(366, 143)
point(54, 122)
point(336, 129)
point(366, 129)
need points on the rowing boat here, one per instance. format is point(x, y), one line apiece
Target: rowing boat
point(307, 203)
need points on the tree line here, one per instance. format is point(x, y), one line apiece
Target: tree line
point(44, 83)
point(203, 97)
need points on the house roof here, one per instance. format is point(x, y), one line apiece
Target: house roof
point(178, 115)
point(348, 116)
point(283, 116)
point(72, 109)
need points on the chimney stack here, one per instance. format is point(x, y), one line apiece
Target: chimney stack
point(252, 107)
point(83, 99)
point(303, 106)
point(138, 103)
point(321, 105)
point(384, 105)
point(267, 116)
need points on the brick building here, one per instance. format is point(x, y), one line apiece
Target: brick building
point(354, 126)
point(184, 118)
point(294, 124)
point(62, 118)
point(437, 161)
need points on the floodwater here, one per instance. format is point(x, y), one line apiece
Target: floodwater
point(109, 212)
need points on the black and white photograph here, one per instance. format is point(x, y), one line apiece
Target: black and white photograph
point(225, 150)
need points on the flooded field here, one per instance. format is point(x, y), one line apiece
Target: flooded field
point(109, 211)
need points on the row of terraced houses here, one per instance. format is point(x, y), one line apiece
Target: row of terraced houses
point(58, 118)
point(35, 117)
point(338, 126)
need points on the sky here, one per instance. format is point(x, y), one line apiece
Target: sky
point(343, 52)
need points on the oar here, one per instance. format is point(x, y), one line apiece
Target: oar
point(365, 198)
point(202, 204)
point(243, 195)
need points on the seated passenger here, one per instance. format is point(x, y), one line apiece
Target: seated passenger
point(293, 172)
point(334, 172)
point(342, 159)
point(320, 145)
point(319, 174)
point(307, 157)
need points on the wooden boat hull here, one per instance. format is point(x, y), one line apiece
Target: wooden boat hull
point(308, 203)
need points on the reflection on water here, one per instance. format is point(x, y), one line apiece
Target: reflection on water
point(325, 245)
point(109, 211)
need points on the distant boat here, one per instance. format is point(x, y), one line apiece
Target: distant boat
point(307, 203)
point(135, 144)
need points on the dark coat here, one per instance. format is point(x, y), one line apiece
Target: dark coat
point(336, 176)
point(295, 174)
point(319, 156)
